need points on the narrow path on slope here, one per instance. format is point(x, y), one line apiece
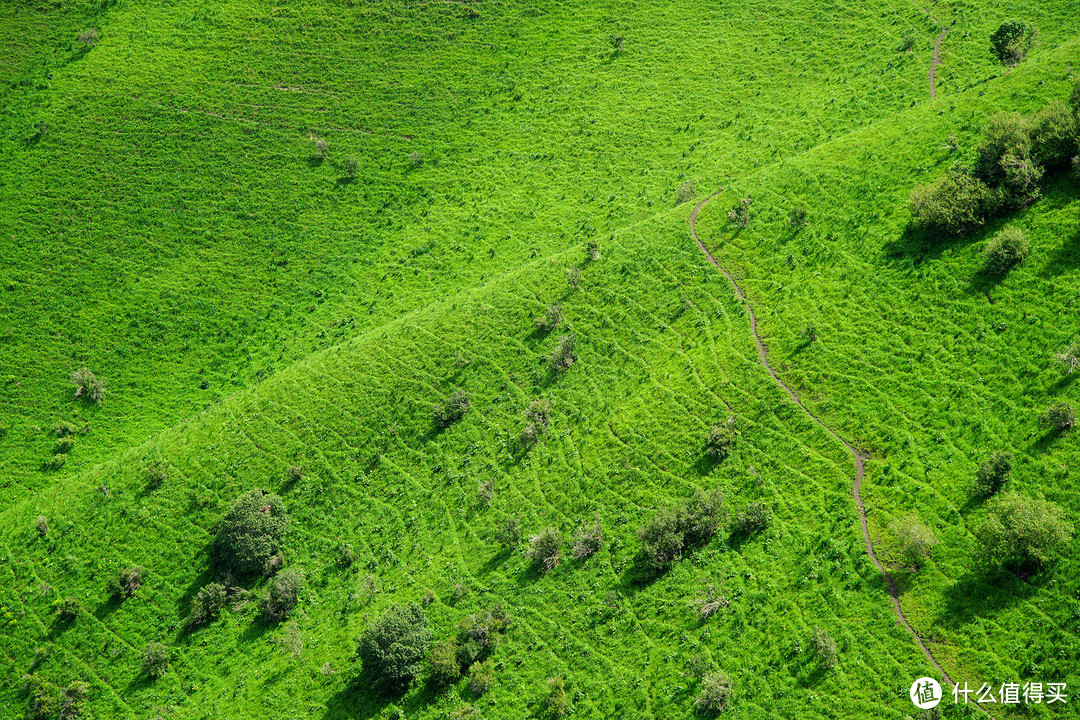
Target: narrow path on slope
point(936, 61)
point(858, 455)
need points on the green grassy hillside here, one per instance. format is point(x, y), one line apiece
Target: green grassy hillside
point(168, 222)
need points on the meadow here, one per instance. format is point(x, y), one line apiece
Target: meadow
point(256, 299)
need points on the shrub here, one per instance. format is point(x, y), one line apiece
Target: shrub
point(294, 473)
point(557, 703)
point(478, 635)
point(88, 37)
point(545, 549)
point(907, 42)
point(953, 204)
point(797, 217)
point(587, 541)
point(124, 583)
point(1006, 134)
point(1022, 532)
point(64, 446)
point(62, 428)
point(509, 533)
point(1012, 40)
point(282, 595)
point(48, 701)
point(721, 438)
point(914, 540)
point(685, 192)
point(715, 694)
point(207, 604)
point(824, 648)
point(551, 319)
point(563, 356)
point(538, 417)
point(322, 148)
point(740, 213)
point(446, 413)
point(1069, 357)
point(155, 474)
point(699, 517)
point(88, 386)
point(709, 603)
point(485, 493)
point(1053, 135)
point(573, 278)
point(992, 474)
point(155, 660)
point(67, 609)
point(592, 250)
point(1059, 416)
point(54, 463)
point(616, 42)
point(344, 554)
point(670, 532)
point(273, 564)
point(481, 678)
point(41, 525)
point(251, 532)
point(1004, 250)
point(443, 664)
point(755, 516)
point(350, 166)
point(392, 647)
point(416, 158)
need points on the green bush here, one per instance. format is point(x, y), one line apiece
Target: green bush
point(538, 418)
point(914, 540)
point(685, 192)
point(54, 463)
point(62, 428)
point(587, 541)
point(282, 595)
point(207, 604)
point(755, 516)
point(545, 549)
point(1069, 357)
point(124, 583)
point(88, 386)
point(64, 446)
point(155, 474)
point(155, 660)
point(715, 694)
point(551, 319)
point(564, 355)
point(1012, 41)
point(48, 701)
point(953, 204)
point(446, 413)
point(294, 473)
point(1053, 135)
point(481, 678)
point(67, 608)
point(740, 213)
point(1059, 416)
point(1006, 134)
point(669, 533)
point(824, 648)
point(1005, 249)
point(721, 438)
point(992, 474)
point(557, 703)
point(509, 533)
point(1022, 532)
point(443, 663)
point(392, 648)
point(41, 525)
point(251, 532)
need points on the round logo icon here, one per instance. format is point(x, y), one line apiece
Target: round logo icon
point(925, 693)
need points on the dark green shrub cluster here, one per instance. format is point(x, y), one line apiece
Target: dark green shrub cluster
point(545, 549)
point(446, 413)
point(124, 583)
point(721, 438)
point(41, 525)
point(62, 428)
point(155, 660)
point(537, 418)
point(992, 474)
point(573, 278)
point(155, 474)
point(1022, 532)
point(48, 701)
point(669, 533)
point(481, 678)
point(294, 473)
point(715, 694)
point(551, 319)
point(207, 604)
point(88, 386)
point(509, 533)
point(1004, 250)
point(282, 595)
point(64, 446)
point(1014, 152)
point(564, 354)
point(755, 516)
point(251, 532)
point(392, 648)
point(66, 608)
point(592, 250)
point(476, 638)
point(797, 217)
point(1012, 40)
point(1059, 416)
point(685, 192)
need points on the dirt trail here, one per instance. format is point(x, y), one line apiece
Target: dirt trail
point(936, 62)
point(858, 455)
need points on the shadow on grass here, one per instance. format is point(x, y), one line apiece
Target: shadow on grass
point(360, 699)
point(1044, 443)
point(138, 683)
point(985, 593)
point(495, 561)
point(107, 606)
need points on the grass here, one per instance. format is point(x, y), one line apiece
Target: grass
point(253, 307)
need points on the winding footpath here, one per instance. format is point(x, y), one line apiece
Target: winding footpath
point(859, 456)
point(936, 61)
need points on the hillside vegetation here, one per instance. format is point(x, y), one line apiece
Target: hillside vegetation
point(402, 335)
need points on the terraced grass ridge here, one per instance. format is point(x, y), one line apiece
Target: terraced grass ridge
point(283, 231)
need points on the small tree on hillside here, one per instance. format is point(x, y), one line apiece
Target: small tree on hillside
point(992, 474)
point(1022, 532)
point(251, 532)
point(914, 540)
point(1004, 250)
point(1059, 416)
point(1012, 40)
point(392, 648)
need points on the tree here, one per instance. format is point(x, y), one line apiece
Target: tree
point(721, 438)
point(155, 660)
point(1012, 40)
point(715, 694)
point(124, 583)
point(251, 532)
point(953, 204)
point(824, 648)
point(1022, 532)
point(1004, 250)
point(282, 595)
point(914, 540)
point(1053, 135)
point(392, 648)
point(992, 474)
point(446, 413)
point(1059, 416)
